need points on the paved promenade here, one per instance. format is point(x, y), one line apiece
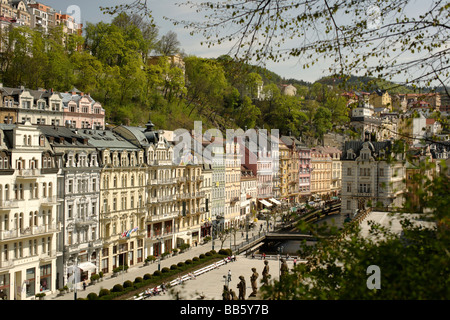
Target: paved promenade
point(211, 283)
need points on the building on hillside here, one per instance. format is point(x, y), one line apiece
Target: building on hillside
point(372, 176)
point(81, 111)
point(380, 99)
point(29, 222)
point(288, 90)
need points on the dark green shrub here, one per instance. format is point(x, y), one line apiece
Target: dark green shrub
point(188, 261)
point(157, 273)
point(180, 264)
point(92, 296)
point(147, 276)
point(117, 288)
point(202, 256)
point(213, 252)
point(103, 292)
point(165, 270)
point(195, 259)
point(127, 284)
point(225, 252)
point(208, 254)
point(173, 267)
point(138, 280)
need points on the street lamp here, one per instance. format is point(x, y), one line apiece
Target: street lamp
point(160, 249)
point(280, 251)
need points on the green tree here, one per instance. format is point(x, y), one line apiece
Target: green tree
point(413, 264)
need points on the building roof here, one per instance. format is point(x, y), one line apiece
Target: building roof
point(106, 139)
point(356, 146)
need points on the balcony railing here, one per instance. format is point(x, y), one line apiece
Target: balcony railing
point(9, 204)
point(28, 173)
point(156, 235)
point(29, 231)
point(50, 200)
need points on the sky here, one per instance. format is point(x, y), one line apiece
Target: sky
point(191, 45)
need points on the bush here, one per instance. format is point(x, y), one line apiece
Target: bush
point(127, 284)
point(180, 264)
point(117, 288)
point(95, 277)
point(157, 273)
point(147, 276)
point(100, 274)
point(173, 267)
point(208, 254)
point(202, 256)
point(92, 296)
point(138, 280)
point(165, 270)
point(103, 292)
point(150, 259)
point(195, 259)
point(225, 252)
point(188, 261)
point(213, 252)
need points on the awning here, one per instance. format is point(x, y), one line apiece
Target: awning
point(87, 266)
point(275, 201)
point(264, 202)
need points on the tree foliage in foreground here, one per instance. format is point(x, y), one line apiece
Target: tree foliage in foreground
point(413, 265)
point(381, 39)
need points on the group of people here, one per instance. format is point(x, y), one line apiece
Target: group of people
point(230, 259)
point(149, 292)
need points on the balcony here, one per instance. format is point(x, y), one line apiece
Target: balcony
point(50, 201)
point(362, 193)
point(9, 204)
point(28, 173)
point(167, 181)
point(167, 198)
point(29, 231)
point(86, 222)
point(162, 217)
point(156, 235)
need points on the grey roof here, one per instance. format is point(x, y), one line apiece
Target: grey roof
point(106, 139)
point(66, 133)
point(356, 146)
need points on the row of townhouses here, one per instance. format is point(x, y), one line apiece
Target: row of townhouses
point(77, 193)
point(37, 15)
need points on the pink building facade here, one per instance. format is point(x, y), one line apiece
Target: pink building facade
point(82, 112)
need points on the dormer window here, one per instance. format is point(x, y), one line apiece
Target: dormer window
point(41, 141)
